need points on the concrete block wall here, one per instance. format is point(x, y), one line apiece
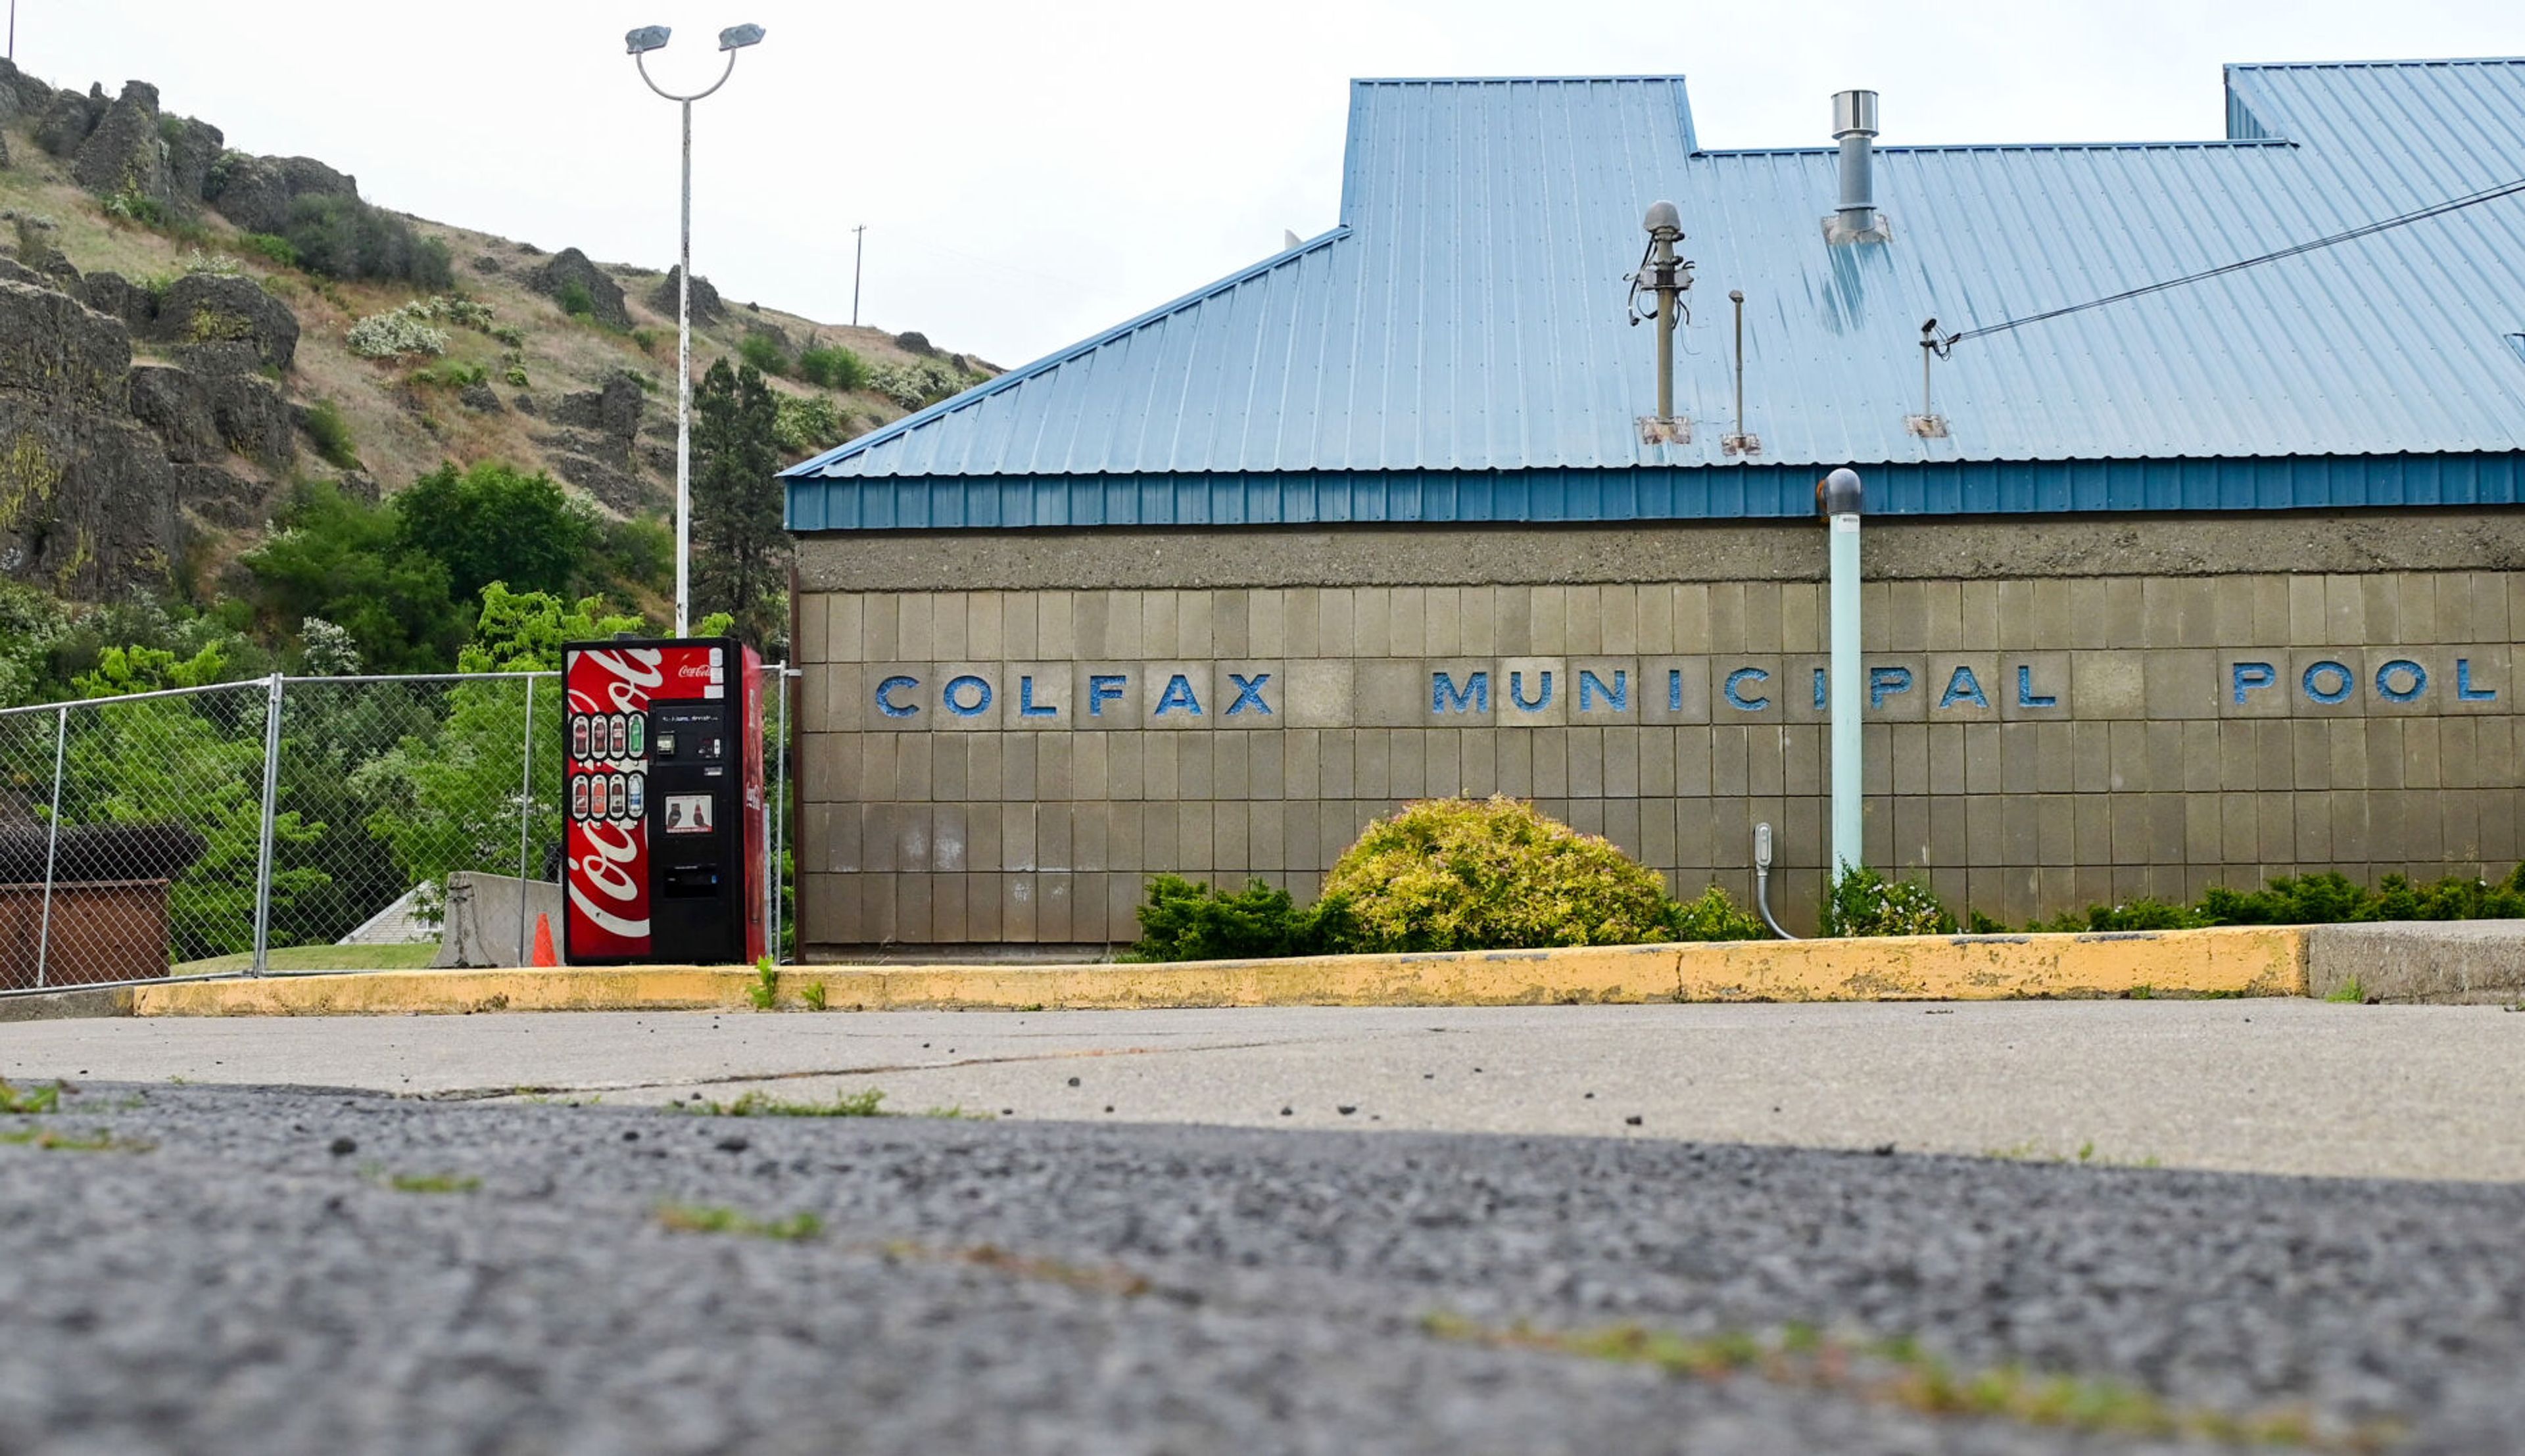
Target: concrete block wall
point(2123, 709)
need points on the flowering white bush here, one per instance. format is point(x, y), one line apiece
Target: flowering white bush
point(393, 335)
point(199, 261)
point(915, 385)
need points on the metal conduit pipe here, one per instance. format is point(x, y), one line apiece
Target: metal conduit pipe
point(1763, 880)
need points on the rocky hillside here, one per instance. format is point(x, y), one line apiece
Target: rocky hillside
point(186, 331)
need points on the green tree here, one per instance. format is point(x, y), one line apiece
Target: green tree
point(195, 761)
point(445, 798)
point(345, 560)
point(740, 543)
point(494, 523)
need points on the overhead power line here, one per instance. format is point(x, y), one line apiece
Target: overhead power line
point(1943, 343)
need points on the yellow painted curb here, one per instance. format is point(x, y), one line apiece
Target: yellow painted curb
point(2240, 961)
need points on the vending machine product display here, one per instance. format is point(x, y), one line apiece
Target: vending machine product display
point(662, 749)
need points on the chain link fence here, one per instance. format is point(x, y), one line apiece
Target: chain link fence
point(288, 823)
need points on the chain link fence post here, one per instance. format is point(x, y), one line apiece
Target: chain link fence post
point(270, 806)
point(52, 842)
point(525, 812)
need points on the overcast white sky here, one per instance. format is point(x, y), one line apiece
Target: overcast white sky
point(1033, 171)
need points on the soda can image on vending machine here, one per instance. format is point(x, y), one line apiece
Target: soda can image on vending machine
point(578, 797)
point(579, 737)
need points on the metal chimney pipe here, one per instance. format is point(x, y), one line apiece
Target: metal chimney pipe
point(1854, 125)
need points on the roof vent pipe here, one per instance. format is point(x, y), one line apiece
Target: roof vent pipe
point(1854, 125)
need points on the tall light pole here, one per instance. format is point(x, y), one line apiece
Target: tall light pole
point(859, 252)
point(640, 43)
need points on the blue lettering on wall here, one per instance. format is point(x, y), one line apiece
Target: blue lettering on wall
point(1963, 687)
point(1517, 693)
point(2342, 682)
point(1103, 688)
point(1474, 697)
point(2247, 676)
point(2463, 688)
point(1178, 695)
point(1591, 687)
point(2026, 697)
point(1823, 690)
point(2416, 676)
point(1027, 708)
point(1738, 679)
point(1674, 690)
point(886, 703)
point(1249, 694)
point(964, 709)
point(1885, 682)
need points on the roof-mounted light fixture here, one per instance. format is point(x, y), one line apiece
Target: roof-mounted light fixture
point(1661, 273)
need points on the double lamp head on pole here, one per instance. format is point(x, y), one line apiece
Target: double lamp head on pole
point(640, 43)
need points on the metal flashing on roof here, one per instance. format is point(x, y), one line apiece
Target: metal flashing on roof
point(1466, 316)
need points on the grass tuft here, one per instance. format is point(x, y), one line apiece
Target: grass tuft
point(51, 1141)
point(698, 1218)
point(32, 1099)
point(2348, 994)
point(1899, 1373)
point(433, 1182)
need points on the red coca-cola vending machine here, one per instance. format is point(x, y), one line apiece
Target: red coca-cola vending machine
point(662, 756)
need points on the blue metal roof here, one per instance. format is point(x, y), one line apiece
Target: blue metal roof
point(1468, 315)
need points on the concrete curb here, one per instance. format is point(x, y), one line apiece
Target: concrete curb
point(2251, 961)
point(2435, 962)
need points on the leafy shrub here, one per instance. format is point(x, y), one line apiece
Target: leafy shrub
point(1459, 874)
point(342, 237)
point(271, 246)
point(1863, 902)
point(394, 335)
point(648, 339)
point(1713, 917)
point(833, 367)
point(134, 206)
point(450, 373)
point(515, 375)
point(576, 301)
point(331, 434)
point(917, 385)
point(808, 423)
point(492, 523)
point(1185, 921)
point(764, 352)
point(509, 334)
point(2144, 913)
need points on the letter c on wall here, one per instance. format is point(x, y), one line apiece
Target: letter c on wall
point(1739, 678)
point(885, 692)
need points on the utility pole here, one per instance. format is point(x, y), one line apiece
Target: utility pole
point(13, 33)
point(859, 251)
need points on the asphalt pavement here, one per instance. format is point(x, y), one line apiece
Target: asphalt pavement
point(2273, 1086)
point(221, 1270)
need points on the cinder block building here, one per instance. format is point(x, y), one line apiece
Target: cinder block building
point(2199, 585)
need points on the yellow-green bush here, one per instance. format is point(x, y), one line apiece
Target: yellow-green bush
point(1460, 874)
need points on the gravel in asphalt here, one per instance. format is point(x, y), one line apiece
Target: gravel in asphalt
point(275, 1271)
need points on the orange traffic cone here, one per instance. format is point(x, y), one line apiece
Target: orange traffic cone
point(544, 955)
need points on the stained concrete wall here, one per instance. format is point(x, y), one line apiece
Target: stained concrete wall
point(2067, 710)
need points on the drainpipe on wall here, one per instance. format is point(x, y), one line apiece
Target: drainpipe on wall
point(1840, 497)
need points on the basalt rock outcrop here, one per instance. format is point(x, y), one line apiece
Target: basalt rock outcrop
point(705, 300)
point(592, 448)
point(226, 308)
point(124, 156)
point(570, 266)
point(257, 193)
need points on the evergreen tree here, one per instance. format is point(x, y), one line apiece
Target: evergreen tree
point(740, 547)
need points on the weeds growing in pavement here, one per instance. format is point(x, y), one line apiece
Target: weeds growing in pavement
point(762, 1104)
point(1899, 1373)
point(50, 1142)
point(766, 991)
point(433, 1182)
point(696, 1218)
point(2030, 1151)
point(813, 996)
point(1094, 1278)
point(2348, 994)
point(32, 1099)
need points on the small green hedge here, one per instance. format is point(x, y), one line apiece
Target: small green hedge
point(1447, 874)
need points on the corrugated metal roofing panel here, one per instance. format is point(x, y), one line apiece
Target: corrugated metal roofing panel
point(1469, 313)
